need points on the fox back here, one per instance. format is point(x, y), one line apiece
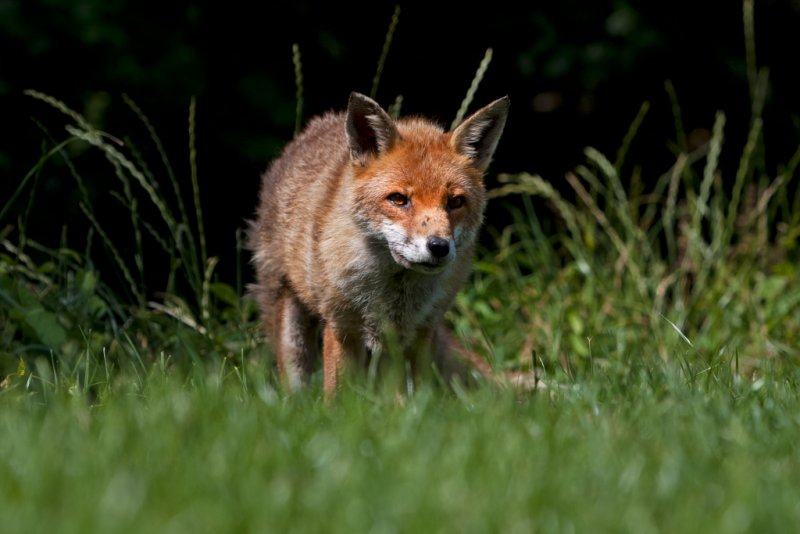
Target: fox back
point(367, 225)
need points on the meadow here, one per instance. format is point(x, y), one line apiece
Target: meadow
point(663, 320)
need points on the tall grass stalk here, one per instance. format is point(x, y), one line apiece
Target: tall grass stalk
point(630, 135)
point(32, 173)
point(156, 139)
point(183, 216)
point(680, 132)
point(741, 175)
point(297, 60)
point(750, 46)
point(473, 88)
point(387, 43)
point(207, 268)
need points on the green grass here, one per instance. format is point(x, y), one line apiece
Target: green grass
point(664, 320)
point(640, 448)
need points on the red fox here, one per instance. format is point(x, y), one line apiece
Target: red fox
point(366, 229)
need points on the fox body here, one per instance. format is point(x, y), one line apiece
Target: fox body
point(366, 226)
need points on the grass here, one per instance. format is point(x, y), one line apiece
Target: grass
point(664, 320)
point(642, 450)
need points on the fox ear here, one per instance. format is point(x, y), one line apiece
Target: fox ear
point(478, 135)
point(370, 130)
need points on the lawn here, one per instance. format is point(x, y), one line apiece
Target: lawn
point(640, 447)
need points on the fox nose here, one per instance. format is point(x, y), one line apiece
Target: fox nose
point(439, 247)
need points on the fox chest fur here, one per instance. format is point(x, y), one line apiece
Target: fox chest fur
point(367, 225)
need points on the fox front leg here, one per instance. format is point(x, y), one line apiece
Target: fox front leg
point(340, 350)
point(295, 342)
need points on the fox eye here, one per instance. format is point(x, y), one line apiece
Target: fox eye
point(397, 199)
point(453, 203)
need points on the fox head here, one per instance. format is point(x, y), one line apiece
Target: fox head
point(416, 187)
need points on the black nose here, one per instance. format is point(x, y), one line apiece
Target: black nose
point(439, 247)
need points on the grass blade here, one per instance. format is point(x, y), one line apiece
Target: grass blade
point(297, 60)
point(473, 88)
point(31, 173)
point(630, 135)
point(198, 209)
point(387, 43)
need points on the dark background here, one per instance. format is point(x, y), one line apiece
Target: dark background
point(576, 71)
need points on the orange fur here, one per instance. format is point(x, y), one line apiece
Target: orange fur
point(367, 225)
